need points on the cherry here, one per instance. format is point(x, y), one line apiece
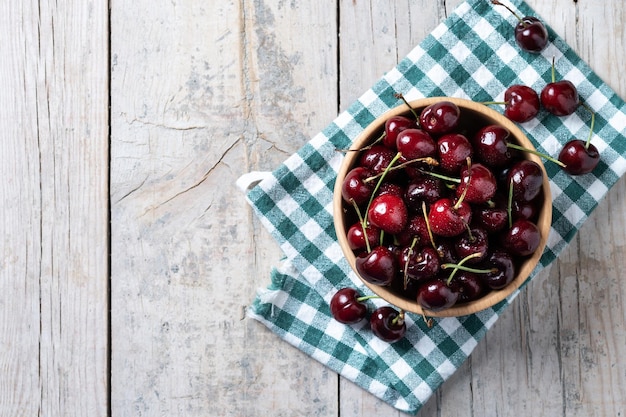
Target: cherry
point(560, 97)
point(449, 219)
point(355, 187)
point(490, 218)
point(437, 295)
point(417, 229)
point(503, 270)
point(453, 150)
point(522, 103)
point(376, 158)
point(424, 188)
point(580, 157)
point(530, 33)
point(526, 180)
point(419, 264)
point(490, 145)
point(472, 242)
point(478, 182)
point(388, 212)
point(378, 266)
point(415, 143)
point(346, 306)
point(388, 324)
point(446, 251)
point(390, 188)
point(523, 238)
point(393, 126)
point(471, 286)
point(439, 118)
point(356, 236)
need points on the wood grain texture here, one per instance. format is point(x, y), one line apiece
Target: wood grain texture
point(54, 208)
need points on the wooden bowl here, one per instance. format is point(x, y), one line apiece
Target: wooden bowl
point(473, 117)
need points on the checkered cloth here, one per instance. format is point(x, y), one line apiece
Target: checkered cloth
point(472, 54)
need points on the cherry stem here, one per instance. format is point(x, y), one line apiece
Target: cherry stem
point(401, 97)
point(497, 3)
point(461, 267)
point(406, 265)
point(399, 319)
point(534, 152)
point(467, 184)
point(509, 205)
point(441, 176)
point(367, 297)
point(553, 73)
point(430, 232)
point(427, 160)
point(503, 103)
point(365, 148)
point(380, 181)
point(593, 122)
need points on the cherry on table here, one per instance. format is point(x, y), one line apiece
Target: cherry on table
point(388, 324)
point(346, 306)
point(522, 103)
point(530, 33)
point(580, 157)
point(560, 97)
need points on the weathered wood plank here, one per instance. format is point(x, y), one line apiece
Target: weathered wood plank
point(53, 204)
point(205, 92)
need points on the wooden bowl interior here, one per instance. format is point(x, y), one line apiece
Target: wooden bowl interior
point(473, 116)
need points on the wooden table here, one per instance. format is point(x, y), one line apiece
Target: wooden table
point(128, 256)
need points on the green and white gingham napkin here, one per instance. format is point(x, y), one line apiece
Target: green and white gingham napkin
point(472, 54)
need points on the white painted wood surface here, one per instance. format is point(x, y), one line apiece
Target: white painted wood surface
point(201, 92)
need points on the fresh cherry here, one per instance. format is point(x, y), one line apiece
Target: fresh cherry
point(503, 270)
point(440, 118)
point(415, 143)
point(355, 187)
point(492, 218)
point(393, 126)
point(471, 286)
point(356, 236)
point(448, 218)
point(478, 182)
point(417, 229)
point(437, 295)
point(346, 306)
point(419, 263)
point(474, 241)
point(388, 324)
point(424, 188)
point(560, 97)
point(376, 158)
point(522, 103)
point(530, 33)
point(490, 145)
point(453, 149)
point(378, 266)
point(526, 179)
point(389, 213)
point(580, 157)
point(523, 238)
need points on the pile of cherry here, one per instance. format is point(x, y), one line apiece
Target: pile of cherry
point(444, 214)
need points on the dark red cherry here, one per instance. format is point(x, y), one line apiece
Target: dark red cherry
point(355, 188)
point(560, 98)
point(471, 242)
point(491, 218)
point(377, 267)
point(376, 158)
point(579, 157)
point(416, 229)
point(356, 236)
point(531, 35)
point(448, 218)
point(389, 213)
point(522, 103)
point(490, 145)
point(440, 118)
point(393, 126)
point(388, 324)
point(421, 189)
point(419, 263)
point(471, 287)
point(453, 150)
point(436, 295)
point(503, 270)
point(478, 183)
point(523, 238)
point(346, 307)
point(415, 143)
point(527, 179)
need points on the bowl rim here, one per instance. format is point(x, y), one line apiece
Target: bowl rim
point(544, 221)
